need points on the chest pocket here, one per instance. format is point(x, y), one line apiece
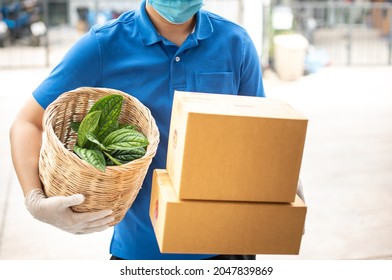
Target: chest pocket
point(217, 82)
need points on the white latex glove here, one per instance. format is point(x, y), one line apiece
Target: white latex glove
point(56, 211)
point(300, 190)
point(300, 193)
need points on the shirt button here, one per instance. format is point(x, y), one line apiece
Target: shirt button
point(177, 58)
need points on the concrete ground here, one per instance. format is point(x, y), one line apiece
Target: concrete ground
point(346, 169)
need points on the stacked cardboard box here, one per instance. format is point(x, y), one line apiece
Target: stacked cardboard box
point(232, 172)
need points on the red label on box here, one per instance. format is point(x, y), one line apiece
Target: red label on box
point(156, 210)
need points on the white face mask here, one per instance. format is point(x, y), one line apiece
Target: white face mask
point(176, 11)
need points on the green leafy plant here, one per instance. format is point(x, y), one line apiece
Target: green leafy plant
point(102, 141)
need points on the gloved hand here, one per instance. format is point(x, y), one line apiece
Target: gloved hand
point(56, 211)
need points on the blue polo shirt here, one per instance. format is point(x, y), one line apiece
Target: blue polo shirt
point(128, 54)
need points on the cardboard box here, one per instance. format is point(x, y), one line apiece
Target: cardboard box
point(238, 148)
point(219, 227)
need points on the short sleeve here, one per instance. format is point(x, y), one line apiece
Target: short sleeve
point(79, 67)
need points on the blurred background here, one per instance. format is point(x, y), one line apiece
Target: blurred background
point(333, 32)
point(331, 60)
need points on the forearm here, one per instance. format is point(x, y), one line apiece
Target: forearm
point(25, 140)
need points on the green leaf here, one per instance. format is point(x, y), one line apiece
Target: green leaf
point(93, 157)
point(109, 163)
point(127, 156)
point(110, 106)
point(75, 126)
point(125, 139)
point(92, 137)
point(102, 140)
point(113, 159)
point(88, 124)
point(128, 126)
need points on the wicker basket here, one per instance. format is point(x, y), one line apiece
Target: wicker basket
point(63, 173)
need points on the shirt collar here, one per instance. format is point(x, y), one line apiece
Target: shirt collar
point(203, 25)
point(150, 36)
point(147, 31)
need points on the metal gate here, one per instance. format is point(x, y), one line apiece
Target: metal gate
point(356, 33)
point(64, 22)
